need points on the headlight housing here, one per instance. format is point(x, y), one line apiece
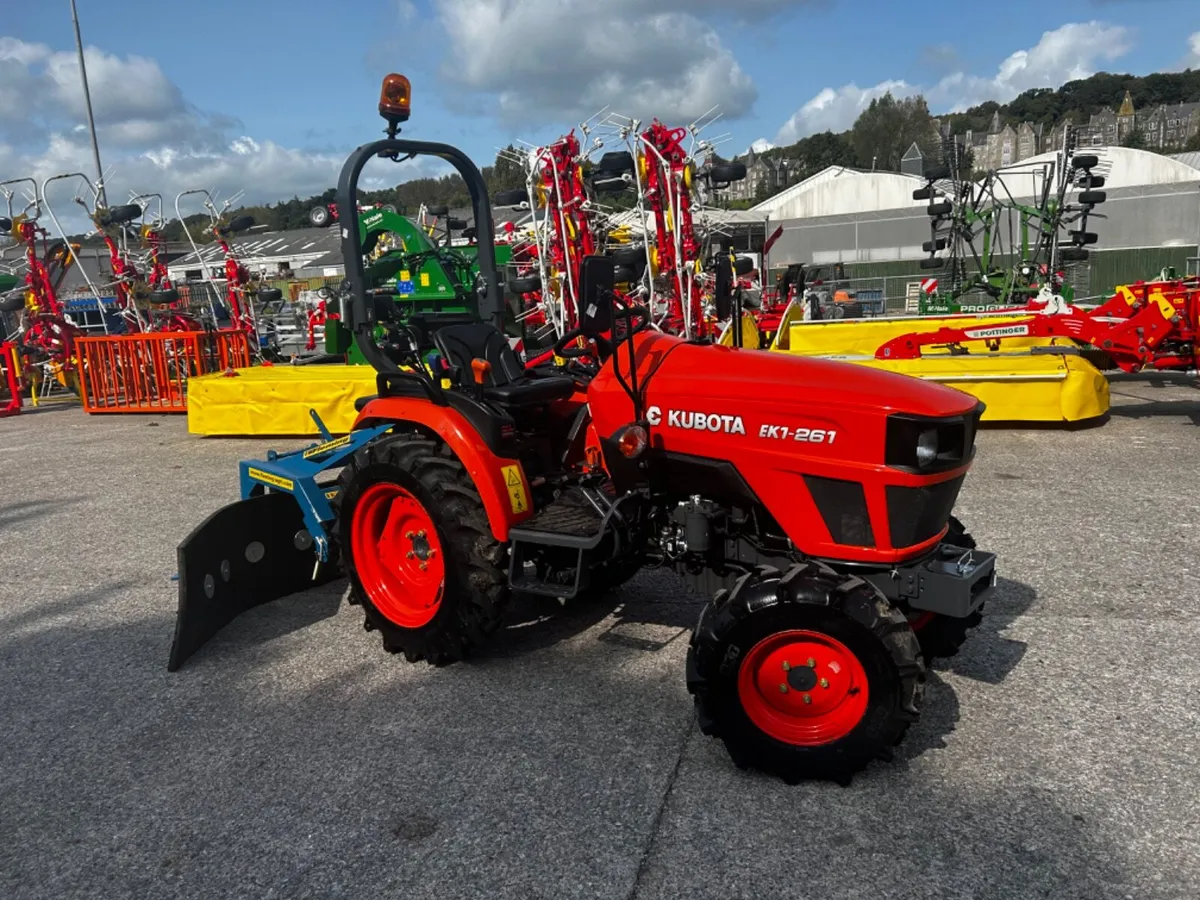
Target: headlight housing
point(925, 446)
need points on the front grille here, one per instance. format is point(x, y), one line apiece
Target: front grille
point(843, 506)
point(917, 514)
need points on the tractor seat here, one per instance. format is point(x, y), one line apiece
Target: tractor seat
point(509, 383)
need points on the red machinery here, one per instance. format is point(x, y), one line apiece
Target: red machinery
point(810, 499)
point(1148, 324)
point(45, 330)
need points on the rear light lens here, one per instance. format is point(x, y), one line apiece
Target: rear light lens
point(631, 441)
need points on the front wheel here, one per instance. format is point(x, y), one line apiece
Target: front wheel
point(806, 675)
point(421, 557)
point(319, 216)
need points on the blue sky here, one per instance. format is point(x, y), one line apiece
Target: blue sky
point(274, 107)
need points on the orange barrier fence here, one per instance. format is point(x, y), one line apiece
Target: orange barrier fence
point(10, 380)
point(148, 372)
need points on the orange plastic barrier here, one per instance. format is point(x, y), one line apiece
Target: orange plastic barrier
point(148, 372)
point(10, 380)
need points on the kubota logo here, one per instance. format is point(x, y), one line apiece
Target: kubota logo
point(696, 421)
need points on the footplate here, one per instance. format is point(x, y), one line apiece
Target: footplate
point(952, 581)
point(243, 555)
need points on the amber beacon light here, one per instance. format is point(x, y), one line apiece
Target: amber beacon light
point(395, 97)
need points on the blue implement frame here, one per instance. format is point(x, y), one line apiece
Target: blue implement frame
point(296, 471)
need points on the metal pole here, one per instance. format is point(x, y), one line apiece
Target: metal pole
point(87, 100)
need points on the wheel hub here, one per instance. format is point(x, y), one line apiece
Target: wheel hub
point(803, 687)
point(397, 554)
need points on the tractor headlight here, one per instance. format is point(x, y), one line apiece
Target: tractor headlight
point(927, 445)
point(927, 448)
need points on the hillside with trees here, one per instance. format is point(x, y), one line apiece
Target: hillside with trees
point(878, 139)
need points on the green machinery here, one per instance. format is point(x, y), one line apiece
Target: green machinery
point(426, 278)
point(1002, 250)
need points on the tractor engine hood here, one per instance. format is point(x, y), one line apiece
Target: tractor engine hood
point(792, 429)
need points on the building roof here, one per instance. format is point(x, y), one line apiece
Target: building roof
point(1120, 166)
point(839, 189)
point(1188, 159)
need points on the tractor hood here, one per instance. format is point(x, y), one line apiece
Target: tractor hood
point(774, 425)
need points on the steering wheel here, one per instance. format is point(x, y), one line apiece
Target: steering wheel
point(562, 349)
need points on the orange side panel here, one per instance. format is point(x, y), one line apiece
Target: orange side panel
point(501, 500)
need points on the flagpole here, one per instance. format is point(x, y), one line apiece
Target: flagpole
point(87, 101)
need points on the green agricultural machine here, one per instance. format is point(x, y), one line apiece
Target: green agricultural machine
point(430, 281)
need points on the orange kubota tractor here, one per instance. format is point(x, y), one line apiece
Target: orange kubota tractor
point(810, 499)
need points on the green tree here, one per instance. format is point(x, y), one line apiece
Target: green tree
point(888, 127)
point(1193, 142)
point(1135, 140)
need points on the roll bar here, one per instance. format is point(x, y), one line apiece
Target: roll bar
point(360, 314)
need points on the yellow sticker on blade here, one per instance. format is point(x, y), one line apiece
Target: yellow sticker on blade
point(424, 279)
point(274, 480)
point(516, 488)
point(326, 447)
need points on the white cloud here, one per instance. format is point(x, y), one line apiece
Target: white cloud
point(1071, 52)
point(1192, 60)
point(836, 109)
point(762, 145)
point(529, 62)
point(151, 138)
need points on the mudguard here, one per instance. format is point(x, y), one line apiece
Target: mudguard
point(243, 555)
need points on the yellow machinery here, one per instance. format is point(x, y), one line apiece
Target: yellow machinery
point(1025, 382)
point(275, 400)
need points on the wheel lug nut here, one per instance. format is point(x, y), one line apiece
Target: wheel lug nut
point(424, 566)
point(808, 698)
point(783, 688)
point(786, 665)
point(421, 533)
point(408, 535)
point(824, 682)
point(812, 663)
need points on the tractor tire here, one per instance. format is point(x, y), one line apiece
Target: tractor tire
point(411, 484)
point(164, 298)
point(625, 275)
point(934, 246)
point(727, 173)
point(634, 257)
point(514, 197)
point(1085, 161)
point(614, 164)
point(526, 284)
point(241, 223)
point(941, 637)
point(319, 217)
point(925, 193)
point(749, 673)
point(1092, 198)
point(1095, 183)
point(1083, 238)
point(270, 295)
point(119, 215)
point(932, 262)
point(939, 209)
point(937, 173)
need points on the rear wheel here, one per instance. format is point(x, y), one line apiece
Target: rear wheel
point(943, 636)
point(418, 548)
point(318, 216)
point(808, 674)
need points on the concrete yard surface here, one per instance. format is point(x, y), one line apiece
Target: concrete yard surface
point(1058, 755)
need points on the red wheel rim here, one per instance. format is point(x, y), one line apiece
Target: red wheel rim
point(397, 555)
point(803, 688)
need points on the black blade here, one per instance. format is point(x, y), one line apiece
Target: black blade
point(243, 555)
